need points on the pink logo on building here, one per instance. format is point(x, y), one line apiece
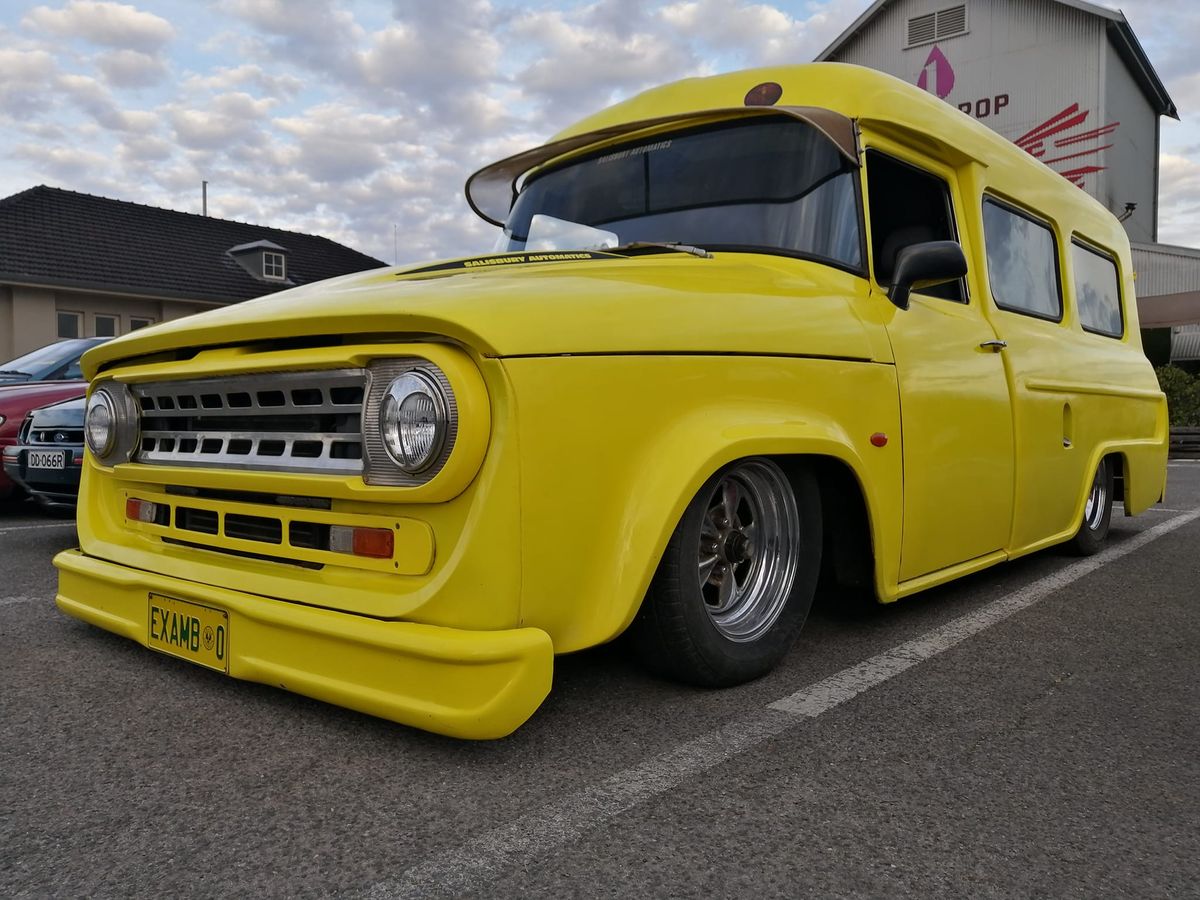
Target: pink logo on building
point(937, 75)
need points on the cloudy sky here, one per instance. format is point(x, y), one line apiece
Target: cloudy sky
point(360, 118)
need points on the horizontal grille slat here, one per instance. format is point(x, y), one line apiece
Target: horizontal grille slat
point(62, 436)
point(278, 421)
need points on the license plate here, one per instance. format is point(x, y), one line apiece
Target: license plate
point(190, 631)
point(45, 459)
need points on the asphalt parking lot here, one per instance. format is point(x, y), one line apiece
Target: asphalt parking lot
point(1030, 731)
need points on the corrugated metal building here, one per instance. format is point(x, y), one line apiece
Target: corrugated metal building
point(1168, 286)
point(1065, 80)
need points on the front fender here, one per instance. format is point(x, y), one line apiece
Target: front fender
point(614, 447)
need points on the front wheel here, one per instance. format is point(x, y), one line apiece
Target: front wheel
point(1097, 513)
point(737, 578)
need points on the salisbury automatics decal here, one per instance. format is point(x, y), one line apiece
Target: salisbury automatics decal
point(510, 259)
point(1047, 141)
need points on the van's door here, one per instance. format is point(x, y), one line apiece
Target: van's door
point(1043, 358)
point(954, 396)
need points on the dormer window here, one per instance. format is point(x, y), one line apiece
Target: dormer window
point(265, 261)
point(273, 266)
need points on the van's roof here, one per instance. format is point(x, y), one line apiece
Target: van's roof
point(876, 100)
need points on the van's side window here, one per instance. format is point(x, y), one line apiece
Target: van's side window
point(908, 206)
point(1022, 262)
point(1097, 291)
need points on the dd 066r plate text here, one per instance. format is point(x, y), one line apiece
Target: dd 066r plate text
point(190, 631)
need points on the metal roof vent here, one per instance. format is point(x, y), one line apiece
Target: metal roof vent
point(937, 26)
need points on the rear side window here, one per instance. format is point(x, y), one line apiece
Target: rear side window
point(1022, 262)
point(1097, 291)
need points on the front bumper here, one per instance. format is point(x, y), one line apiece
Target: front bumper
point(53, 488)
point(468, 684)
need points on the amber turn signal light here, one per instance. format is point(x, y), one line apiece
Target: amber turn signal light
point(377, 543)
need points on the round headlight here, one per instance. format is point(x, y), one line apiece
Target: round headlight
point(412, 421)
point(100, 423)
point(111, 424)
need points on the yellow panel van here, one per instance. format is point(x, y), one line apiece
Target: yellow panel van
point(736, 333)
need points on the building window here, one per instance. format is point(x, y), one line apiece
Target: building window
point(70, 324)
point(273, 266)
point(106, 326)
point(1022, 260)
point(136, 322)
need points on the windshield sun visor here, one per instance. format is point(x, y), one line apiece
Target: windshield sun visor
point(492, 189)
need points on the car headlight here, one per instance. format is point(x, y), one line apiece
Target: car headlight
point(410, 423)
point(111, 423)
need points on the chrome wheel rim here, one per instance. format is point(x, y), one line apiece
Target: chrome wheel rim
point(749, 550)
point(1097, 501)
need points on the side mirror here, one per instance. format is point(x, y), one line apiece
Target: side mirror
point(924, 265)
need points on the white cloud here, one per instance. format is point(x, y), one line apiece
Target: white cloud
point(24, 79)
point(94, 99)
point(108, 24)
point(347, 119)
point(581, 67)
point(247, 76)
point(131, 68)
point(230, 119)
point(1179, 200)
point(318, 35)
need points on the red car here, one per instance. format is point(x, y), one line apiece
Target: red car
point(16, 400)
point(18, 396)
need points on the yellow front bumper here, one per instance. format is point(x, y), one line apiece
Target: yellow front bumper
point(469, 684)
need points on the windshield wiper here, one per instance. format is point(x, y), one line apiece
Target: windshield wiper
point(15, 372)
point(662, 245)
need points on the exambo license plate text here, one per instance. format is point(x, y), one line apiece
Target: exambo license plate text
point(190, 631)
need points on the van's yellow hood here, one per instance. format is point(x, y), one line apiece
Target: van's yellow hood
point(671, 303)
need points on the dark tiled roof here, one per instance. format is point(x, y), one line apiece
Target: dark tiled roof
point(55, 237)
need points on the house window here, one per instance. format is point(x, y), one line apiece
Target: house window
point(70, 324)
point(273, 266)
point(106, 326)
point(136, 322)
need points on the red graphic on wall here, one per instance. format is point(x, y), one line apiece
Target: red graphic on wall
point(1041, 142)
point(939, 67)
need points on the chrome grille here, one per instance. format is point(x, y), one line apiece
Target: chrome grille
point(60, 436)
point(281, 421)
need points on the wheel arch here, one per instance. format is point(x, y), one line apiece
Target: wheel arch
point(854, 526)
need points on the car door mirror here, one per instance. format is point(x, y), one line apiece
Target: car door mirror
point(924, 265)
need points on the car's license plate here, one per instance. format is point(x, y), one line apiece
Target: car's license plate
point(190, 631)
point(45, 459)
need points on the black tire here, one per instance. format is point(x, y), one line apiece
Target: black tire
point(682, 630)
point(1097, 513)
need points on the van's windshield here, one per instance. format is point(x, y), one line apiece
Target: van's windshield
point(773, 184)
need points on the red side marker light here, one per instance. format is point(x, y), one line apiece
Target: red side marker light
point(879, 439)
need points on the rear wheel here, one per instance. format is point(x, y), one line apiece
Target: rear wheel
point(1097, 513)
point(737, 578)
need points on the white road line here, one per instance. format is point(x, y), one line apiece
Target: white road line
point(824, 695)
point(36, 527)
point(537, 834)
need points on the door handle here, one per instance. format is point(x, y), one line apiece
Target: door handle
point(994, 346)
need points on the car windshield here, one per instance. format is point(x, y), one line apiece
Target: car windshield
point(54, 361)
point(773, 184)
